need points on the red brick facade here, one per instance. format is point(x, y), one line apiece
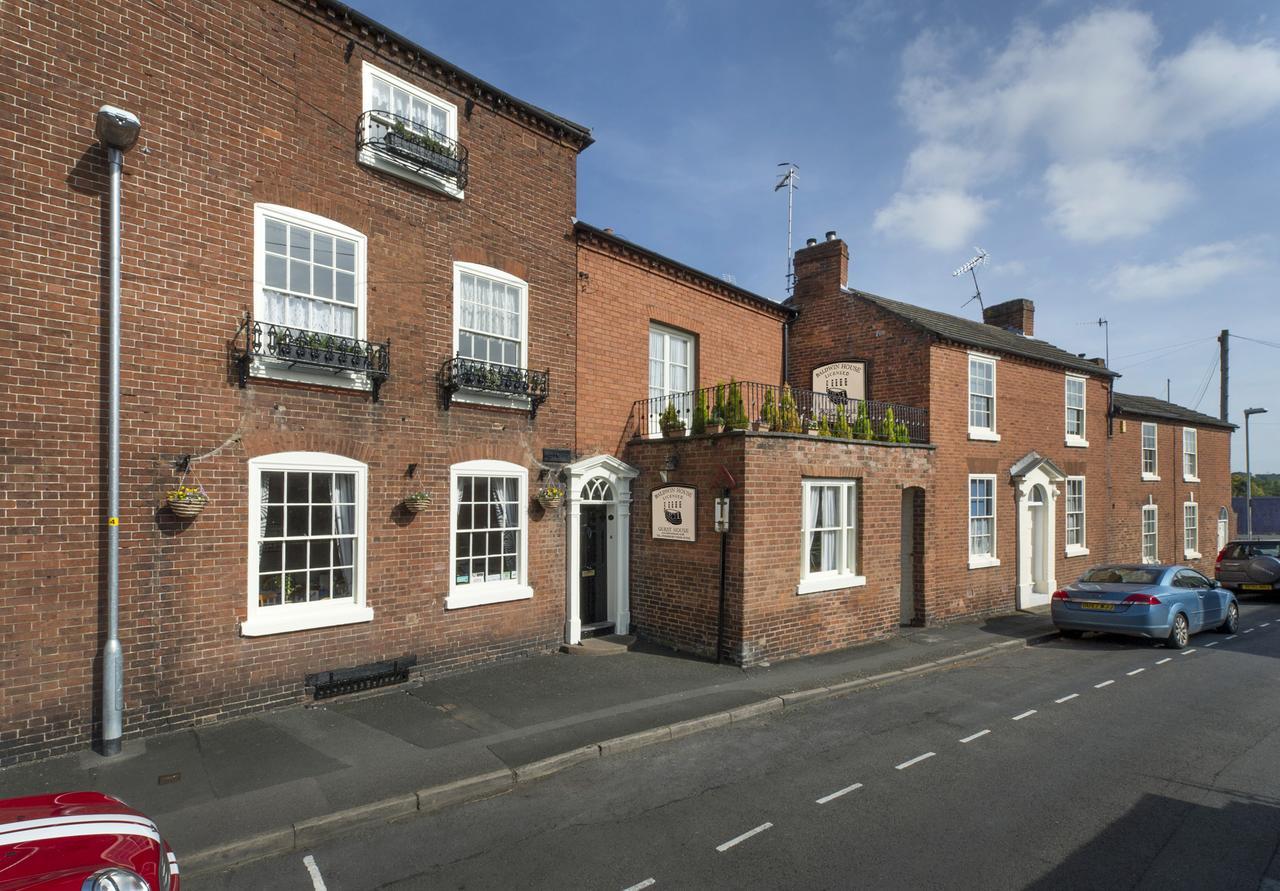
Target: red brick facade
point(244, 102)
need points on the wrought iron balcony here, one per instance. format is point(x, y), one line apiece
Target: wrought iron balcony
point(294, 346)
point(471, 375)
point(424, 151)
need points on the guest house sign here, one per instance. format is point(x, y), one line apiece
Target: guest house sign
point(841, 380)
point(675, 510)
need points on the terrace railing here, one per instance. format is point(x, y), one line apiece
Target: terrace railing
point(290, 347)
point(810, 408)
point(411, 144)
point(472, 375)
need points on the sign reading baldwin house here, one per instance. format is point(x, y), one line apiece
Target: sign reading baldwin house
point(675, 512)
point(841, 380)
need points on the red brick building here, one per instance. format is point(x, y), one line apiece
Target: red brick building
point(349, 276)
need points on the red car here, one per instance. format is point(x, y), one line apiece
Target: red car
point(81, 841)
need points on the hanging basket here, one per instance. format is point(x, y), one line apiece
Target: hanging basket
point(550, 502)
point(416, 503)
point(188, 507)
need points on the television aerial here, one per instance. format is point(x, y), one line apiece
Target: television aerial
point(788, 181)
point(971, 267)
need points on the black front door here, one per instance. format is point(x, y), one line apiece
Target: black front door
point(593, 570)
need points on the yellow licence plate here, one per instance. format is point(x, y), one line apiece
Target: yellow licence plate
point(1105, 607)
point(1256, 587)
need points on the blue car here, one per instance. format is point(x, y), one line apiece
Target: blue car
point(1168, 603)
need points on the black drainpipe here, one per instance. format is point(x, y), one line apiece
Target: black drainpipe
point(724, 560)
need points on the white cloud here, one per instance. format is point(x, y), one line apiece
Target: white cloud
point(1098, 200)
point(1192, 272)
point(1094, 96)
point(943, 219)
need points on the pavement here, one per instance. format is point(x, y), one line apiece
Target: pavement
point(279, 781)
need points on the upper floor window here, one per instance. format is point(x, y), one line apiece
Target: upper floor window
point(982, 521)
point(1149, 464)
point(671, 375)
point(306, 542)
point(1075, 516)
point(830, 538)
point(1075, 411)
point(982, 397)
point(489, 541)
point(1150, 528)
point(1190, 460)
point(407, 131)
point(489, 315)
point(310, 272)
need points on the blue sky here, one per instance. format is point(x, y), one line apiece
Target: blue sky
point(1116, 161)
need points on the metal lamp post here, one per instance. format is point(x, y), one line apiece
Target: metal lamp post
point(1248, 472)
point(117, 130)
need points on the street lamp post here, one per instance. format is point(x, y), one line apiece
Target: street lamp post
point(117, 130)
point(1248, 472)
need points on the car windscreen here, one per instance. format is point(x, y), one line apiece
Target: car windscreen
point(1122, 575)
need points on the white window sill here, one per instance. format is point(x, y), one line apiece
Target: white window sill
point(1077, 551)
point(982, 562)
point(1191, 555)
point(1191, 479)
point(830, 583)
point(498, 400)
point(460, 598)
point(1150, 478)
point(388, 165)
point(984, 435)
point(1075, 442)
point(303, 619)
point(278, 370)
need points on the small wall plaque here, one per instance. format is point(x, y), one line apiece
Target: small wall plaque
point(556, 456)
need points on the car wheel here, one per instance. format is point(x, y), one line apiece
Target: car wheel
point(1232, 622)
point(1072, 635)
point(1179, 634)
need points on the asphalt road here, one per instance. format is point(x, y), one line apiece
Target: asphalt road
point(1101, 763)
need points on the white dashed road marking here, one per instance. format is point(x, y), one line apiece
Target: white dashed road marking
point(1026, 714)
point(974, 736)
point(1264, 624)
point(1103, 684)
point(1214, 644)
point(1135, 671)
point(1232, 636)
point(746, 835)
point(916, 760)
point(317, 882)
point(638, 886)
point(1164, 660)
point(1066, 698)
point(834, 795)
point(1248, 631)
point(1186, 652)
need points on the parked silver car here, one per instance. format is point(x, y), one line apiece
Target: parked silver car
point(1251, 565)
point(1168, 603)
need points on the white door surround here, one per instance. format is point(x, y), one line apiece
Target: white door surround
point(1034, 479)
point(600, 479)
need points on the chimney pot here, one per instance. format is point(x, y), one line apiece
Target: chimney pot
point(608, 230)
point(831, 235)
point(810, 242)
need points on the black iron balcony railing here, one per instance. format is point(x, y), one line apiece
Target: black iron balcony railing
point(746, 404)
point(422, 150)
point(475, 376)
point(294, 346)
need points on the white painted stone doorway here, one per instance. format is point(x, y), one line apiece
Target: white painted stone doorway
point(600, 479)
point(1035, 480)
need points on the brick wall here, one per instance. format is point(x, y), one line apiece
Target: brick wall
point(622, 293)
point(243, 102)
point(675, 585)
point(1130, 491)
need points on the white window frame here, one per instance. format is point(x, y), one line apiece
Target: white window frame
point(285, 617)
point(1152, 475)
point(1076, 440)
point(504, 590)
point(1154, 512)
point(1190, 457)
point(1191, 531)
point(844, 575)
point(987, 434)
point(476, 396)
point(388, 164)
point(266, 367)
point(1081, 548)
point(981, 561)
point(684, 407)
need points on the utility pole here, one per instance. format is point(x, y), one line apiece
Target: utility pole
point(1223, 354)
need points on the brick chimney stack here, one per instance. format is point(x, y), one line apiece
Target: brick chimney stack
point(1014, 315)
point(821, 267)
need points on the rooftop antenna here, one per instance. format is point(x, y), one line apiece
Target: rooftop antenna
point(1106, 334)
point(788, 181)
point(971, 267)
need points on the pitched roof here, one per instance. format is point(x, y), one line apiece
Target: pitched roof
point(1151, 407)
point(414, 53)
point(585, 231)
point(982, 335)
